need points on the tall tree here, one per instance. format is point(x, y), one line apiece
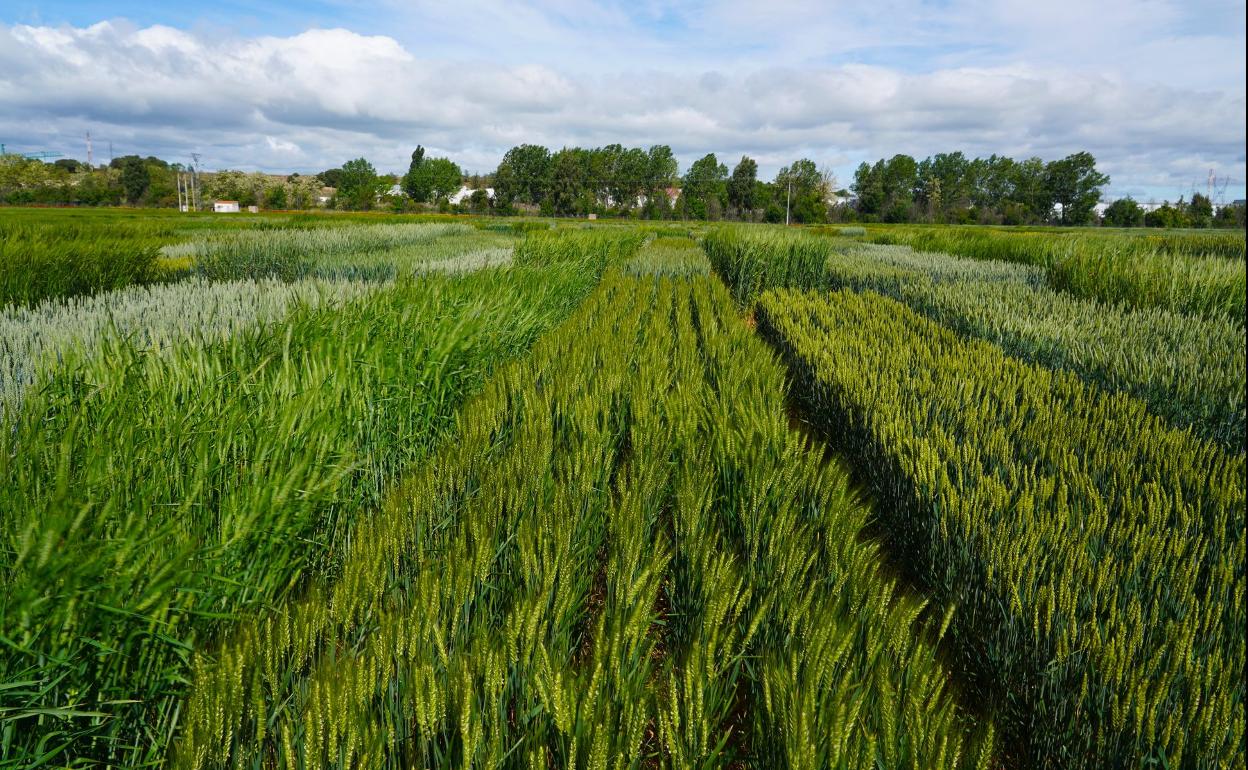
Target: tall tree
point(1200, 210)
point(741, 186)
point(868, 185)
point(703, 193)
point(412, 177)
point(358, 184)
point(1124, 212)
point(523, 176)
point(627, 182)
point(1074, 184)
point(571, 182)
point(661, 174)
point(433, 180)
point(805, 188)
point(135, 178)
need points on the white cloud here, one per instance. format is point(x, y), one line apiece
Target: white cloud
point(315, 99)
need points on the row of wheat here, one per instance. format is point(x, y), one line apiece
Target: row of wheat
point(1096, 554)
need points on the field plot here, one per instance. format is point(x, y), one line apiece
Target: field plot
point(626, 556)
point(319, 491)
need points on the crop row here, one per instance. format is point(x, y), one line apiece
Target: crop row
point(626, 558)
point(1189, 370)
point(671, 256)
point(752, 259)
point(1201, 274)
point(40, 261)
point(291, 253)
point(36, 341)
point(1096, 555)
point(146, 500)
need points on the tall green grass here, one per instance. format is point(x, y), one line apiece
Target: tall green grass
point(1095, 553)
point(625, 559)
point(1187, 369)
point(595, 247)
point(292, 253)
point(1202, 286)
point(40, 261)
point(35, 341)
point(667, 255)
point(147, 500)
point(754, 259)
point(1199, 273)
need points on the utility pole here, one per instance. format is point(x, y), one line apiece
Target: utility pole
point(195, 181)
point(787, 197)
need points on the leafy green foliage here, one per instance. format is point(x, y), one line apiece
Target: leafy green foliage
point(1096, 554)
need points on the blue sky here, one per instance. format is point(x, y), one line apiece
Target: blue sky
point(1154, 88)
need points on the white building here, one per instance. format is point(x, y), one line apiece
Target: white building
point(225, 207)
point(465, 193)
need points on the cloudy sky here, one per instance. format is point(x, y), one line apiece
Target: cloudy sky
point(1154, 88)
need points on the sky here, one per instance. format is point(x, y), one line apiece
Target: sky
point(1155, 89)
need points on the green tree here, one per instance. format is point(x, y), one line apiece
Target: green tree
point(330, 177)
point(523, 176)
point(805, 188)
point(135, 178)
point(1031, 191)
point(1074, 184)
point(661, 173)
point(412, 180)
point(1167, 215)
point(626, 181)
point(868, 185)
point(1230, 215)
point(571, 191)
point(358, 184)
point(479, 201)
point(433, 180)
point(741, 187)
point(704, 191)
point(1124, 212)
point(1200, 210)
point(943, 184)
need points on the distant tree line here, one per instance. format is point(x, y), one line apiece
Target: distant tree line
point(951, 188)
point(618, 181)
point(1199, 212)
